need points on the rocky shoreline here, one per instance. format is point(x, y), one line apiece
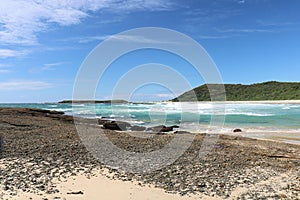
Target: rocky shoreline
point(40, 147)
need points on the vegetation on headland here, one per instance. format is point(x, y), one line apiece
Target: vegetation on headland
point(237, 92)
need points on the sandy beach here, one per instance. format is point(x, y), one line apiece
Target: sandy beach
point(265, 102)
point(42, 157)
point(249, 102)
point(98, 186)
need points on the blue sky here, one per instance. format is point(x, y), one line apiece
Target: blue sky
point(44, 42)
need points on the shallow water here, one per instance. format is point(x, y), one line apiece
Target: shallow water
point(195, 117)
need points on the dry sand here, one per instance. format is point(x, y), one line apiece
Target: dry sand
point(257, 102)
point(102, 187)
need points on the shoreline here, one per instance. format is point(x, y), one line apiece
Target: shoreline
point(45, 147)
point(265, 102)
point(244, 102)
point(154, 102)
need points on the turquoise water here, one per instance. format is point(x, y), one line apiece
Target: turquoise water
point(190, 116)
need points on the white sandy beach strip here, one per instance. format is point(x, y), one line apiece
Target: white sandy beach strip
point(101, 187)
point(263, 102)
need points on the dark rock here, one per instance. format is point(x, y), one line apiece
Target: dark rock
point(138, 128)
point(161, 128)
point(156, 128)
point(167, 129)
point(237, 130)
point(182, 132)
point(61, 117)
point(103, 121)
point(67, 118)
point(175, 126)
point(116, 125)
point(79, 192)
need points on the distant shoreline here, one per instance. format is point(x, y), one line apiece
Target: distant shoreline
point(258, 102)
point(225, 102)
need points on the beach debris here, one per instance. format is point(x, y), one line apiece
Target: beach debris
point(78, 192)
point(237, 130)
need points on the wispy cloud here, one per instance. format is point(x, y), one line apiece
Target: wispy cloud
point(152, 97)
point(52, 66)
point(87, 39)
point(142, 39)
point(276, 23)
point(141, 96)
point(245, 30)
point(165, 95)
point(22, 20)
point(213, 37)
point(122, 38)
point(8, 53)
point(24, 85)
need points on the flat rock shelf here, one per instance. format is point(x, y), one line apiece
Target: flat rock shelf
point(39, 148)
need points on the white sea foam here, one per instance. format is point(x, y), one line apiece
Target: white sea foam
point(53, 106)
point(78, 105)
point(249, 117)
point(63, 109)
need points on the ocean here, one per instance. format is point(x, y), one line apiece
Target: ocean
point(264, 120)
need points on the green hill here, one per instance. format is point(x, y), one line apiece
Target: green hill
point(236, 92)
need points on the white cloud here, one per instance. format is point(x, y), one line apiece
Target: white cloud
point(21, 20)
point(245, 30)
point(143, 96)
point(122, 38)
point(51, 66)
point(90, 38)
point(139, 39)
point(24, 85)
point(165, 95)
point(213, 37)
point(7, 53)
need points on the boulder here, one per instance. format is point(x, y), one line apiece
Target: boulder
point(237, 130)
point(167, 129)
point(182, 132)
point(116, 125)
point(156, 128)
point(103, 121)
point(161, 128)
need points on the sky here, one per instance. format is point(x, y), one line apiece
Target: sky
point(43, 44)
